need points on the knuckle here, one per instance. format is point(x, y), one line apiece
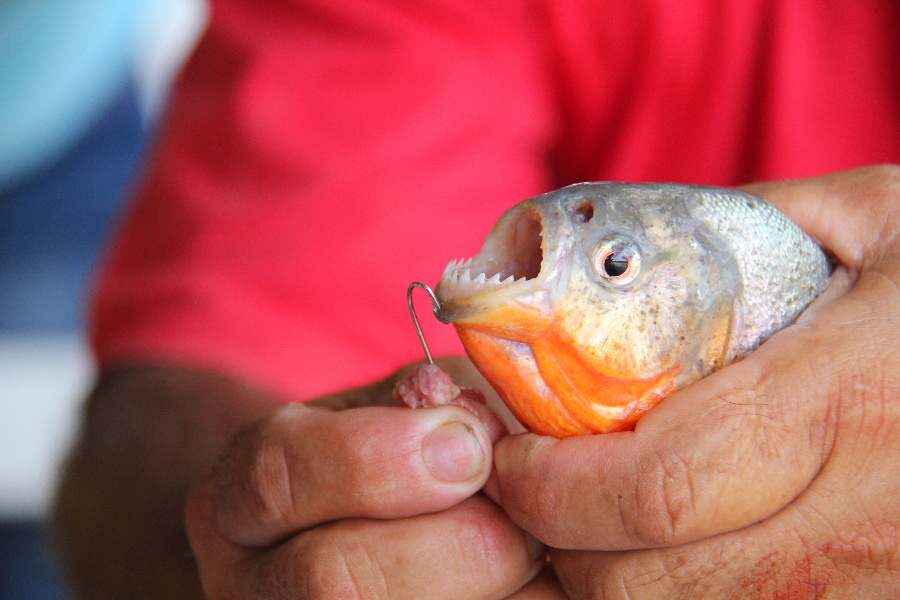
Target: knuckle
point(649, 575)
point(483, 535)
point(681, 574)
point(254, 477)
point(664, 502)
point(269, 482)
point(365, 470)
point(331, 570)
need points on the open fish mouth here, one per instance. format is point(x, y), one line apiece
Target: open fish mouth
point(510, 263)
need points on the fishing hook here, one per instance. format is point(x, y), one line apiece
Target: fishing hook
point(435, 307)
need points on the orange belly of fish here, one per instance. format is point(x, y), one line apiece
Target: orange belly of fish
point(552, 391)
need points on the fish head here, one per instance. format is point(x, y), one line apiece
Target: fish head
point(588, 305)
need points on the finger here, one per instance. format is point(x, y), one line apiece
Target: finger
point(816, 548)
point(301, 467)
point(471, 550)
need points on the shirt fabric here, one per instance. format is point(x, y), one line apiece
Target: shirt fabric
point(318, 156)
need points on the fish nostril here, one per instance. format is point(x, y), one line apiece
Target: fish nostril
point(583, 213)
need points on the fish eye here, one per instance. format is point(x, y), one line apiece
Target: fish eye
point(616, 259)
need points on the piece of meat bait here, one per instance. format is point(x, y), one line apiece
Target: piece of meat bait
point(428, 386)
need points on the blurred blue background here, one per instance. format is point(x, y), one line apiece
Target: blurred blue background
point(83, 83)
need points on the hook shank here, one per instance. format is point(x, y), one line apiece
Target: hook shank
point(435, 306)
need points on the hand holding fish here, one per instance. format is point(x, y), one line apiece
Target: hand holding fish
point(777, 476)
point(353, 497)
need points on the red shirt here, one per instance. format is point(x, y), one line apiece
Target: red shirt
point(319, 156)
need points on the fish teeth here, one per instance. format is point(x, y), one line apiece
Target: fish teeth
point(449, 271)
point(459, 274)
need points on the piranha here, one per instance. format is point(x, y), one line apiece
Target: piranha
point(589, 305)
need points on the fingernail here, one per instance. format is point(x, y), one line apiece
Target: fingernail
point(452, 452)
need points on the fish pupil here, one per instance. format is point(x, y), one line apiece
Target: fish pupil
point(615, 264)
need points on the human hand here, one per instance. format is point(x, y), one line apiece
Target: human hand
point(777, 477)
point(349, 498)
